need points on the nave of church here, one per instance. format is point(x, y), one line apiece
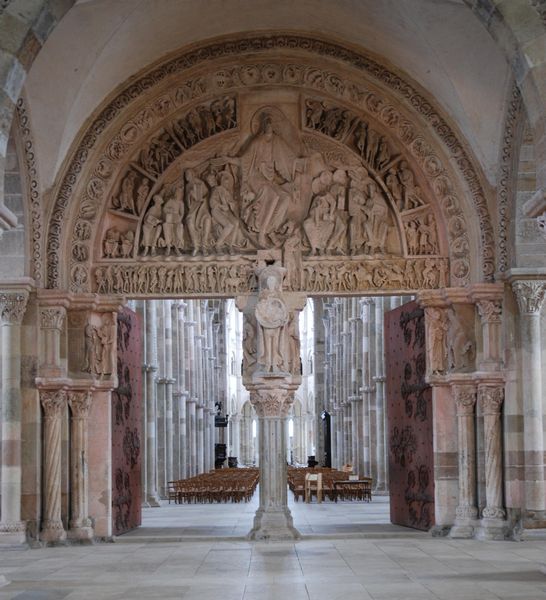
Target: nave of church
point(197, 414)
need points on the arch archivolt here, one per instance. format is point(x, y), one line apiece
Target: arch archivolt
point(201, 166)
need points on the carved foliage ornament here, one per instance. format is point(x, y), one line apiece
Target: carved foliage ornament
point(53, 402)
point(529, 295)
point(271, 403)
point(491, 398)
point(79, 403)
point(465, 399)
point(13, 306)
point(88, 210)
point(52, 318)
point(490, 311)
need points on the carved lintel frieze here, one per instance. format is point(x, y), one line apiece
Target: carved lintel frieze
point(52, 318)
point(13, 306)
point(529, 295)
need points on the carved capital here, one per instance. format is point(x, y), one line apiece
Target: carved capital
point(79, 403)
point(490, 311)
point(271, 403)
point(52, 318)
point(491, 398)
point(12, 307)
point(53, 402)
point(529, 295)
point(465, 399)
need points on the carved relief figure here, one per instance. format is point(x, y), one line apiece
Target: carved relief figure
point(270, 177)
point(198, 218)
point(173, 227)
point(357, 215)
point(437, 328)
point(224, 219)
point(377, 227)
point(460, 347)
point(320, 223)
point(151, 227)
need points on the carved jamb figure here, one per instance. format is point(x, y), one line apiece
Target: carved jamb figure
point(437, 327)
point(460, 347)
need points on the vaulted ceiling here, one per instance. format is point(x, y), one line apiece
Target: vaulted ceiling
point(101, 44)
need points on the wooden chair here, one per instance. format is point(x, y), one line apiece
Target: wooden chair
point(313, 483)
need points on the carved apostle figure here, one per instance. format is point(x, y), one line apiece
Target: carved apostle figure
point(272, 317)
point(357, 216)
point(222, 212)
point(320, 223)
point(173, 227)
point(198, 219)
point(151, 228)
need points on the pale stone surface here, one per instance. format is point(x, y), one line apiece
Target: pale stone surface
point(445, 37)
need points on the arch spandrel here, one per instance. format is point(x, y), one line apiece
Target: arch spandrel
point(133, 135)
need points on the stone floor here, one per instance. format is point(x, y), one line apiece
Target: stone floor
point(234, 521)
point(379, 562)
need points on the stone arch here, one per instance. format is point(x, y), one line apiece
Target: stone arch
point(28, 26)
point(359, 89)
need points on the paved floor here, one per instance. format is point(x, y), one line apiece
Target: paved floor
point(382, 565)
point(234, 521)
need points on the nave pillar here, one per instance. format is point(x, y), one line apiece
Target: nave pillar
point(272, 374)
point(150, 351)
point(464, 369)
point(530, 298)
point(79, 402)
point(13, 304)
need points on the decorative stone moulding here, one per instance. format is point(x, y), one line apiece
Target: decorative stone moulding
point(188, 173)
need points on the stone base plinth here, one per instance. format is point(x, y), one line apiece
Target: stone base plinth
point(15, 537)
point(463, 529)
point(152, 502)
point(492, 529)
point(273, 525)
point(81, 534)
point(53, 533)
point(534, 519)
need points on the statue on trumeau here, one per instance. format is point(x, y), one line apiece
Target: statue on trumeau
point(272, 316)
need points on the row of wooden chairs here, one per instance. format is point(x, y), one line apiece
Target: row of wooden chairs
point(326, 483)
point(221, 485)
